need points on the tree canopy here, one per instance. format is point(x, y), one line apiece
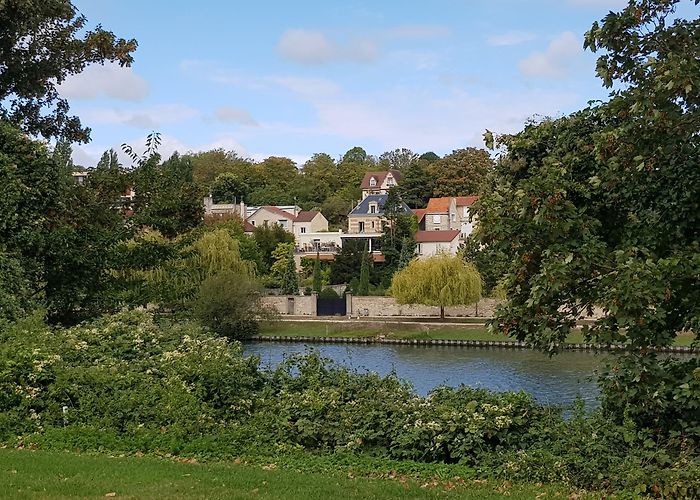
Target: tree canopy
point(42, 42)
point(601, 209)
point(442, 281)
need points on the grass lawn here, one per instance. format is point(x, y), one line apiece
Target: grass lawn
point(48, 474)
point(402, 331)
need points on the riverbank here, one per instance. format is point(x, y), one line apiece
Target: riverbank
point(414, 332)
point(47, 474)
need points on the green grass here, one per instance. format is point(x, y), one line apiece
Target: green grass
point(47, 474)
point(403, 331)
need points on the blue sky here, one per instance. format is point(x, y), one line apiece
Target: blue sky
point(296, 78)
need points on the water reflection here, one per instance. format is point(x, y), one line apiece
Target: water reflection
point(556, 380)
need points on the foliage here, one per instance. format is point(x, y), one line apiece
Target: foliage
point(317, 283)
point(229, 304)
point(398, 159)
point(437, 281)
point(268, 237)
point(328, 293)
point(416, 186)
point(600, 209)
point(15, 289)
point(59, 233)
point(461, 173)
point(284, 269)
point(41, 44)
point(167, 197)
point(133, 385)
point(229, 188)
point(363, 286)
point(176, 282)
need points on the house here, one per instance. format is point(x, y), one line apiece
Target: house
point(269, 215)
point(467, 220)
point(368, 216)
point(310, 221)
point(379, 182)
point(449, 213)
point(430, 243)
point(211, 208)
point(440, 214)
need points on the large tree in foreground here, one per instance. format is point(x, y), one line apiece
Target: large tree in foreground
point(442, 281)
point(42, 42)
point(602, 209)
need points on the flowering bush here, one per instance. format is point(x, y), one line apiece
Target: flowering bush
point(128, 383)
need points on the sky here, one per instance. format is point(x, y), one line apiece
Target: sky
point(296, 78)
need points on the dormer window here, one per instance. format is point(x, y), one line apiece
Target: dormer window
point(373, 208)
point(372, 182)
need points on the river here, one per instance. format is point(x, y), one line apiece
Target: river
point(555, 380)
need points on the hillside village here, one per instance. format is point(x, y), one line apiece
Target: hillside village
point(443, 224)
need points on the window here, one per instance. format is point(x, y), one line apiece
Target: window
point(361, 227)
point(302, 230)
point(373, 208)
point(436, 219)
point(372, 224)
point(372, 182)
point(252, 223)
point(454, 216)
point(283, 223)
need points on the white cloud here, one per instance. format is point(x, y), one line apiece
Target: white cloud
point(555, 61)
point(146, 118)
point(313, 47)
point(232, 114)
point(510, 38)
point(109, 80)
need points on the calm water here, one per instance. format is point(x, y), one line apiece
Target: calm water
point(556, 380)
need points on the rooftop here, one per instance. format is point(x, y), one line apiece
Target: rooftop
point(380, 177)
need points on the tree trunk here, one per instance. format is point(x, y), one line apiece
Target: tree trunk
point(442, 312)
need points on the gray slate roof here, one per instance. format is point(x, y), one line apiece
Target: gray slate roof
point(363, 207)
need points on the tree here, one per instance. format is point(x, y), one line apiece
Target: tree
point(229, 304)
point(268, 236)
point(399, 230)
point(208, 165)
point(461, 173)
point(229, 188)
point(600, 209)
point(42, 42)
point(417, 184)
point(284, 268)
point(167, 197)
point(317, 284)
point(58, 234)
point(438, 281)
point(363, 288)
point(398, 159)
point(347, 262)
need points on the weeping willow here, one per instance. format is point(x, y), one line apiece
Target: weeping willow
point(177, 281)
point(438, 281)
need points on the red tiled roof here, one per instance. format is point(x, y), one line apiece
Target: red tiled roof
point(379, 176)
point(306, 215)
point(278, 211)
point(438, 205)
point(466, 201)
point(248, 227)
point(436, 236)
point(419, 213)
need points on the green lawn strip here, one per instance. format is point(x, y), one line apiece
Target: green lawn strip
point(51, 474)
point(343, 329)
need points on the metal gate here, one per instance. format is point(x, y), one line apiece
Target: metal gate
point(330, 307)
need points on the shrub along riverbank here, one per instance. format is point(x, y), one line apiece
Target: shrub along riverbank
point(127, 384)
